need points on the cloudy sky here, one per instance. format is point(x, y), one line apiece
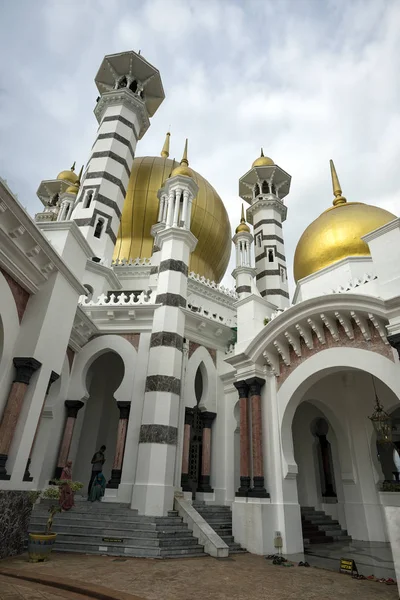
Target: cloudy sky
point(308, 80)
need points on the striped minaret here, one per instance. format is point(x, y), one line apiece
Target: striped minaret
point(264, 188)
point(131, 92)
point(154, 487)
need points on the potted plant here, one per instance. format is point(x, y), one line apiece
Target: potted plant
point(40, 544)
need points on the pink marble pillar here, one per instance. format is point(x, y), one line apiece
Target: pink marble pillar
point(124, 410)
point(27, 476)
point(73, 406)
point(258, 491)
point(186, 450)
point(204, 485)
point(25, 368)
point(243, 390)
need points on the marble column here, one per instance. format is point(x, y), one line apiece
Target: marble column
point(258, 491)
point(124, 410)
point(243, 390)
point(204, 484)
point(53, 377)
point(25, 368)
point(185, 484)
point(72, 406)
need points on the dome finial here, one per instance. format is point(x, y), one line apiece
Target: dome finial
point(73, 166)
point(262, 152)
point(184, 161)
point(242, 225)
point(165, 148)
point(337, 190)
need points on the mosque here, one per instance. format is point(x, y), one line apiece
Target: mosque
point(115, 330)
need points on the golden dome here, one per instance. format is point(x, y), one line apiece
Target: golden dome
point(209, 222)
point(336, 234)
point(69, 176)
point(263, 161)
point(242, 227)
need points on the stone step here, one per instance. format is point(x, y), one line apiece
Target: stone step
point(127, 541)
point(85, 505)
point(322, 521)
point(75, 515)
point(213, 509)
point(113, 532)
point(217, 518)
point(127, 550)
point(40, 522)
point(312, 513)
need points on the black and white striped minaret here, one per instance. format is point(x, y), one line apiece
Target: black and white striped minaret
point(264, 188)
point(131, 92)
point(154, 488)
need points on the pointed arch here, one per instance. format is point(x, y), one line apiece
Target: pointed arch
point(9, 330)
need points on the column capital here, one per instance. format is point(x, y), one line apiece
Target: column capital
point(73, 406)
point(242, 387)
point(207, 418)
point(189, 416)
point(124, 409)
point(25, 368)
point(394, 341)
point(255, 384)
point(53, 377)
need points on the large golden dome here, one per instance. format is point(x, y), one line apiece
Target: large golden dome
point(209, 222)
point(336, 234)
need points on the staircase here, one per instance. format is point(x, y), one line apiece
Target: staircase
point(220, 519)
point(86, 527)
point(320, 528)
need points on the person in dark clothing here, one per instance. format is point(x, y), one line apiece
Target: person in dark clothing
point(98, 461)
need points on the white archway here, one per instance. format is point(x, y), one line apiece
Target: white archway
point(89, 353)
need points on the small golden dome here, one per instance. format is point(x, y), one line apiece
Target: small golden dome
point(242, 227)
point(337, 233)
point(69, 176)
point(183, 168)
point(72, 189)
point(263, 161)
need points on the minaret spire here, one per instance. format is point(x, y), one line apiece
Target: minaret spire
point(184, 160)
point(165, 148)
point(337, 190)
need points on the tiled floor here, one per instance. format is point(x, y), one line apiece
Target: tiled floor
point(370, 557)
point(237, 578)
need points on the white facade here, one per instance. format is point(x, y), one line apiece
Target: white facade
point(166, 344)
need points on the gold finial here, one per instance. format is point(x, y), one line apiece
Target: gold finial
point(243, 225)
point(73, 166)
point(262, 152)
point(337, 190)
point(184, 160)
point(165, 148)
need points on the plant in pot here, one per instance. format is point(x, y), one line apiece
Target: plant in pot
point(40, 544)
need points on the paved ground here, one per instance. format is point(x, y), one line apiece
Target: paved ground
point(236, 578)
point(24, 590)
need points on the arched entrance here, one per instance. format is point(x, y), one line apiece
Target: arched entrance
point(344, 397)
point(99, 425)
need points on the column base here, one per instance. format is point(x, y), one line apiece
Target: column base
point(258, 490)
point(115, 479)
point(204, 484)
point(4, 476)
point(27, 475)
point(185, 483)
point(243, 491)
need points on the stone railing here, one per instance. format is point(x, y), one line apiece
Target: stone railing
point(119, 299)
point(213, 285)
point(199, 310)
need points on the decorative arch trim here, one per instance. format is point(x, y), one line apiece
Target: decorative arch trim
point(10, 323)
point(90, 352)
point(208, 402)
